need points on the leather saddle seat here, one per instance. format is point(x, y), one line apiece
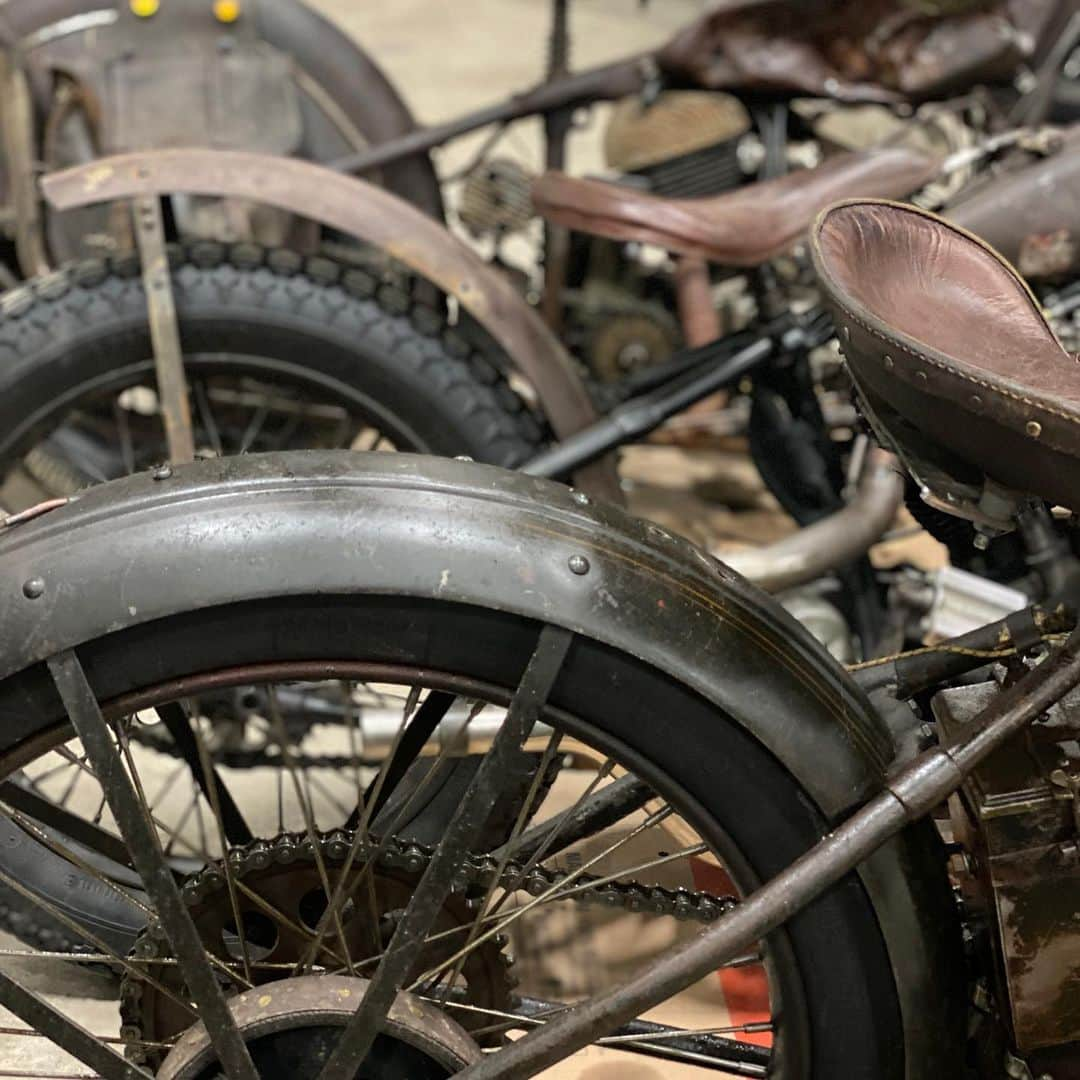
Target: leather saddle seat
point(741, 228)
point(942, 334)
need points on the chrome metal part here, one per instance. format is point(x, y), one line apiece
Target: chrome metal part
point(834, 541)
point(962, 602)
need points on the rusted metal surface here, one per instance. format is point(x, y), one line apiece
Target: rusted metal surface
point(339, 78)
point(233, 530)
point(137, 828)
point(325, 1000)
point(373, 216)
point(64, 1032)
point(1032, 216)
point(907, 796)
point(172, 386)
point(697, 309)
point(19, 158)
point(32, 512)
point(1020, 819)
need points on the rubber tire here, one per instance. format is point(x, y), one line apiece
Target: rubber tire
point(710, 767)
point(367, 341)
point(370, 344)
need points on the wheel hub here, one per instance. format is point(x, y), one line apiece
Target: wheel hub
point(291, 1027)
point(285, 875)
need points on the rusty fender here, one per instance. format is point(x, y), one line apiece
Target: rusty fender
point(1032, 216)
point(373, 216)
point(252, 528)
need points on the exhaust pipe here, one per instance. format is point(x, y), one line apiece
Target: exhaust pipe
point(833, 541)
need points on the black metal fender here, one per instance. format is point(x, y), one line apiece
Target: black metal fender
point(375, 217)
point(345, 75)
point(239, 529)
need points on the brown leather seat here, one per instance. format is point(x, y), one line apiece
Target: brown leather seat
point(741, 228)
point(942, 331)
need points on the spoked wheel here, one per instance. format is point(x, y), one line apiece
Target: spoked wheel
point(279, 353)
point(288, 911)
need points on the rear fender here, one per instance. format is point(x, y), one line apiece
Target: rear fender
point(86, 35)
point(243, 529)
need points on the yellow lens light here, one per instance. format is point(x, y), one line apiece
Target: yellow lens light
point(145, 8)
point(227, 11)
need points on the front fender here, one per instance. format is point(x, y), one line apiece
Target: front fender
point(375, 217)
point(243, 529)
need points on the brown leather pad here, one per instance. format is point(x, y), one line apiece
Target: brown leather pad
point(741, 228)
point(939, 327)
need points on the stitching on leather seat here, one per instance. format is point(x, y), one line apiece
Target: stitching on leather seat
point(894, 343)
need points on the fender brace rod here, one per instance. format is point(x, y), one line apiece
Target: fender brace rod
point(906, 797)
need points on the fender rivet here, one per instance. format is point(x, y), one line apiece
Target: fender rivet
point(163, 472)
point(33, 588)
point(580, 498)
point(1033, 428)
point(578, 564)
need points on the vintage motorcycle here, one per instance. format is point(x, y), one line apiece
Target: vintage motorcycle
point(743, 801)
point(83, 81)
point(281, 352)
point(251, 404)
point(357, 356)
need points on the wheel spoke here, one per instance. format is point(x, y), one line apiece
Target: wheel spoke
point(136, 826)
point(191, 749)
point(411, 742)
point(289, 758)
point(85, 933)
point(255, 425)
point(206, 415)
point(528, 808)
point(506, 757)
point(198, 852)
point(395, 772)
point(558, 891)
point(589, 817)
point(554, 830)
point(68, 1035)
point(359, 839)
point(215, 792)
point(123, 427)
point(46, 812)
point(710, 1048)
